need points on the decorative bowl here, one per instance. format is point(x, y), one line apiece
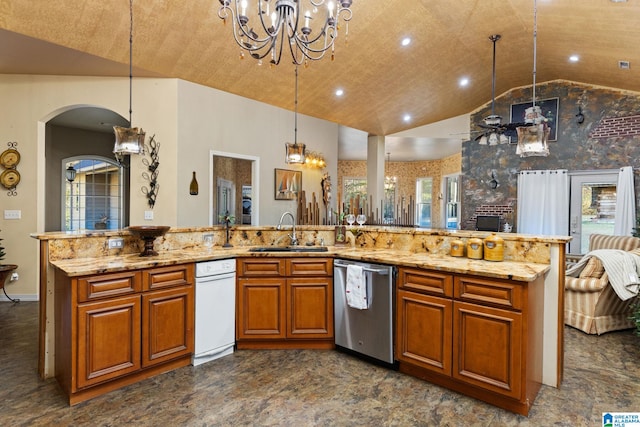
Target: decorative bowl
point(148, 233)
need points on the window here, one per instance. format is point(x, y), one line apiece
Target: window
point(424, 188)
point(452, 201)
point(388, 214)
point(93, 200)
point(355, 192)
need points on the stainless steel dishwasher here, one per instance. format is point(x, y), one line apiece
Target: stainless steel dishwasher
point(367, 332)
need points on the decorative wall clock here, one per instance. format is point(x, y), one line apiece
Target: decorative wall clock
point(9, 158)
point(10, 178)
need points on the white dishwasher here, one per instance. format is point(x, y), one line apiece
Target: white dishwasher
point(215, 310)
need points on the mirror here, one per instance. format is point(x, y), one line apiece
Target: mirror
point(233, 175)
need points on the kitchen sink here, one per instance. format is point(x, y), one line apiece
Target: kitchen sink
point(289, 249)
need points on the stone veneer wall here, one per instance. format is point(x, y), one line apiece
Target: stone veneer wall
point(575, 149)
point(407, 173)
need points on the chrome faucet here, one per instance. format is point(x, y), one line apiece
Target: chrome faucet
point(292, 236)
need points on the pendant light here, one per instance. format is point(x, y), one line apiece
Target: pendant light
point(295, 152)
point(129, 140)
point(532, 138)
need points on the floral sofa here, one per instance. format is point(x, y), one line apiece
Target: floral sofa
point(591, 304)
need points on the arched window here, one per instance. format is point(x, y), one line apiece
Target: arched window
point(93, 194)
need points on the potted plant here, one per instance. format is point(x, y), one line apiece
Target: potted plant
point(635, 313)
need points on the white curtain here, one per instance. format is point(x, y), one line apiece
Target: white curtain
point(625, 203)
point(543, 202)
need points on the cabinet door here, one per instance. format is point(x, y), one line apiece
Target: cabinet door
point(310, 308)
point(261, 308)
point(423, 331)
point(108, 339)
point(167, 324)
point(488, 348)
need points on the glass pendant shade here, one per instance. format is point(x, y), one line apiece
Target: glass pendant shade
point(532, 140)
point(70, 173)
point(128, 140)
point(295, 153)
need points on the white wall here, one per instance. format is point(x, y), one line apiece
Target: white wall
point(209, 119)
point(187, 119)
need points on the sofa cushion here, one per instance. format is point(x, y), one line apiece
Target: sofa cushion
point(593, 270)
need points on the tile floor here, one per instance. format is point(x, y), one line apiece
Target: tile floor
point(309, 388)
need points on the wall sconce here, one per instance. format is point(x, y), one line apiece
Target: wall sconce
point(314, 160)
point(295, 153)
point(70, 173)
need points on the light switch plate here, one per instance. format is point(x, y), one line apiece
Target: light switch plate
point(148, 215)
point(12, 214)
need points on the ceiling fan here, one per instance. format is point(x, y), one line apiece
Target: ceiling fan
point(494, 131)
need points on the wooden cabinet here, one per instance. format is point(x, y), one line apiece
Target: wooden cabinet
point(284, 303)
point(115, 329)
point(478, 336)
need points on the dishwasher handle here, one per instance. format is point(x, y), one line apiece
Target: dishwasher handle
point(381, 271)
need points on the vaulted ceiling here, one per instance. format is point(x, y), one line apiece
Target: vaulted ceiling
point(382, 80)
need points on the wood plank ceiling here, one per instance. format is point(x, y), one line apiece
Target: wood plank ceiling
point(382, 80)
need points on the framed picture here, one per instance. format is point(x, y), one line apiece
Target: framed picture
point(288, 183)
point(549, 109)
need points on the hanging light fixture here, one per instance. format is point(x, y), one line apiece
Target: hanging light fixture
point(129, 140)
point(267, 27)
point(532, 137)
point(70, 173)
point(295, 152)
point(389, 181)
point(494, 133)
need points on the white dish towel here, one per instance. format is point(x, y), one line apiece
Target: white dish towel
point(356, 288)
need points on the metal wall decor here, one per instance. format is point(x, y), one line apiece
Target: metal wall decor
point(10, 177)
point(151, 174)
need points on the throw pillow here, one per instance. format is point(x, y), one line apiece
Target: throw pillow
point(594, 269)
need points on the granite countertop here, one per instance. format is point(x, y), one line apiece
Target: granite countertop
point(519, 271)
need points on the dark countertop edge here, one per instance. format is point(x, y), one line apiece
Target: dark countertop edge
point(518, 271)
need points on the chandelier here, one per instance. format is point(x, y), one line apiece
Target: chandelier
point(129, 140)
point(270, 26)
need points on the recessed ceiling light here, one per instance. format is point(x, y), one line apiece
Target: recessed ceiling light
point(406, 41)
point(339, 92)
point(464, 82)
point(619, 1)
point(407, 118)
point(574, 58)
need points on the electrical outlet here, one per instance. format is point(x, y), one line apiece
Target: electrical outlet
point(14, 276)
point(148, 215)
point(116, 243)
point(12, 214)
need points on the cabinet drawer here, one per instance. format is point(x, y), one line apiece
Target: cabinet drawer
point(425, 281)
point(251, 267)
point(108, 285)
point(165, 277)
point(496, 292)
point(309, 267)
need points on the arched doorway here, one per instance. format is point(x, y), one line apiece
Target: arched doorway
point(79, 132)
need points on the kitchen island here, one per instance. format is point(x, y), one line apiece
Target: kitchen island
point(527, 259)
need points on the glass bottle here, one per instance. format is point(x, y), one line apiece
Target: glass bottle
point(193, 187)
